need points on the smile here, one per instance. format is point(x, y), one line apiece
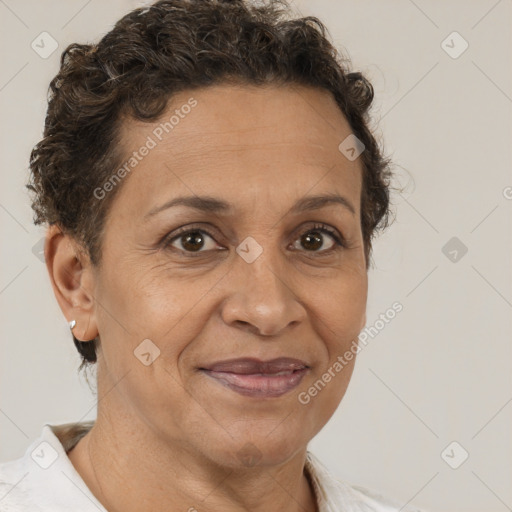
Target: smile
point(259, 384)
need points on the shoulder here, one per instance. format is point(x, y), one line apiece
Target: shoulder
point(44, 479)
point(373, 500)
point(335, 494)
point(15, 486)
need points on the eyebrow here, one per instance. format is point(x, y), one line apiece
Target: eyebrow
point(213, 205)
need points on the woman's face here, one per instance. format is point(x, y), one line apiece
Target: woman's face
point(256, 279)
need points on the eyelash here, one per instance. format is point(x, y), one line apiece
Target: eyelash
point(340, 241)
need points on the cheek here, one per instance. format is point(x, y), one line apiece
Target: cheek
point(153, 304)
point(341, 307)
point(337, 311)
point(143, 298)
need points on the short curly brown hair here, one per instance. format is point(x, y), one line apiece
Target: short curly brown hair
point(157, 51)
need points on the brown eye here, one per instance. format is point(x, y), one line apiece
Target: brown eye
point(191, 241)
point(313, 240)
point(194, 241)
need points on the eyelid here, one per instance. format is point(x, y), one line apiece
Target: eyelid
point(169, 238)
point(335, 234)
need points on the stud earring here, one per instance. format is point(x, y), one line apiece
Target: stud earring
point(72, 324)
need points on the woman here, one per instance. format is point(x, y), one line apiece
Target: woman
point(211, 190)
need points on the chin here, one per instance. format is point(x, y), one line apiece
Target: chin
point(253, 450)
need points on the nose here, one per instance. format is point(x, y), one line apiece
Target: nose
point(262, 300)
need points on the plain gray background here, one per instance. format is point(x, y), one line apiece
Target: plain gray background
point(441, 370)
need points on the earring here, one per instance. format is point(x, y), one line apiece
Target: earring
point(72, 324)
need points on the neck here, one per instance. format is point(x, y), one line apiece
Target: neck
point(116, 462)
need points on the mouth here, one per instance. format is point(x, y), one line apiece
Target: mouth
point(255, 378)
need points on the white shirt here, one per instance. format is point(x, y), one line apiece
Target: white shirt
point(45, 480)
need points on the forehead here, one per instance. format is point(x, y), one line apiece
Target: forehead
point(246, 144)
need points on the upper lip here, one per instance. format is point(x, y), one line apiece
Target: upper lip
point(250, 365)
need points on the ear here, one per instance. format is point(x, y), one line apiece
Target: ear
point(72, 279)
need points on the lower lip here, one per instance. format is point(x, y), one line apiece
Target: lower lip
point(259, 385)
